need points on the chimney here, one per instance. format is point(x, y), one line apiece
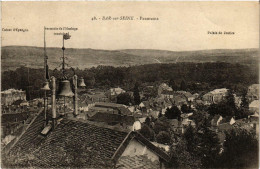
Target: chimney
point(53, 98)
point(75, 78)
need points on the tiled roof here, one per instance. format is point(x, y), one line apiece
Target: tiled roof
point(137, 162)
point(90, 144)
point(30, 140)
point(72, 143)
point(63, 145)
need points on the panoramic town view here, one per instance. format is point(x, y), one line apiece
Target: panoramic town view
point(69, 107)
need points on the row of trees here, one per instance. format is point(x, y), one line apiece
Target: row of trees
point(192, 77)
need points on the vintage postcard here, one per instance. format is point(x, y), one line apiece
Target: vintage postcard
point(126, 84)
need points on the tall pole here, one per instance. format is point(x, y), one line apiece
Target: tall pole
point(63, 58)
point(63, 67)
point(64, 105)
point(45, 65)
point(76, 95)
point(54, 115)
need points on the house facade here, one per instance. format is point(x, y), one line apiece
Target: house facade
point(215, 96)
point(9, 96)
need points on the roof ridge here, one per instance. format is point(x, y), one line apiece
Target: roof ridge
point(119, 147)
point(95, 124)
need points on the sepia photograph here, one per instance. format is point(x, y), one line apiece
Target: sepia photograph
point(129, 84)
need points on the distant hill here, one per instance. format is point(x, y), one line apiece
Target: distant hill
point(15, 56)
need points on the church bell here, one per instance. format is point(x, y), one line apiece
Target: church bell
point(46, 86)
point(81, 82)
point(65, 89)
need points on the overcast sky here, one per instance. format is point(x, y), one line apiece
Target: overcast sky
point(181, 26)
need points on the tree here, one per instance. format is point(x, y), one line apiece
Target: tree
point(137, 99)
point(173, 85)
point(147, 132)
point(203, 143)
point(209, 146)
point(124, 98)
point(244, 101)
point(223, 108)
point(183, 85)
point(240, 150)
point(173, 113)
point(198, 117)
point(148, 121)
point(185, 108)
point(192, 140)
point(163, 137)
point(243, 110)
point(230, 100)
point(161, 126)
point(180, 157)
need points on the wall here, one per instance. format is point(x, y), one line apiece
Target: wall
point(136, 148)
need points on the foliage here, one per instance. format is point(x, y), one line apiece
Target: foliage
point(240, 150)
point(198, 117)
point(191, 139)
point(243, 110)
point(173, 85)
point(203, 143)
point(161, 126)
point(180, 157)
point(183, 85)
point(244, 101)
point(163, 137)
point(209, 146)
point(148, 121)
point(124, 98)
point(173, 113)
point(223, 108)
point(230, 101)
point(137, 99)
point(185, 108)
point(209, 75)
point(147, 132)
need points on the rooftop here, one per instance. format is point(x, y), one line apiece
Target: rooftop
point(9, 91)
point(216, 91)
point(73, 143)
